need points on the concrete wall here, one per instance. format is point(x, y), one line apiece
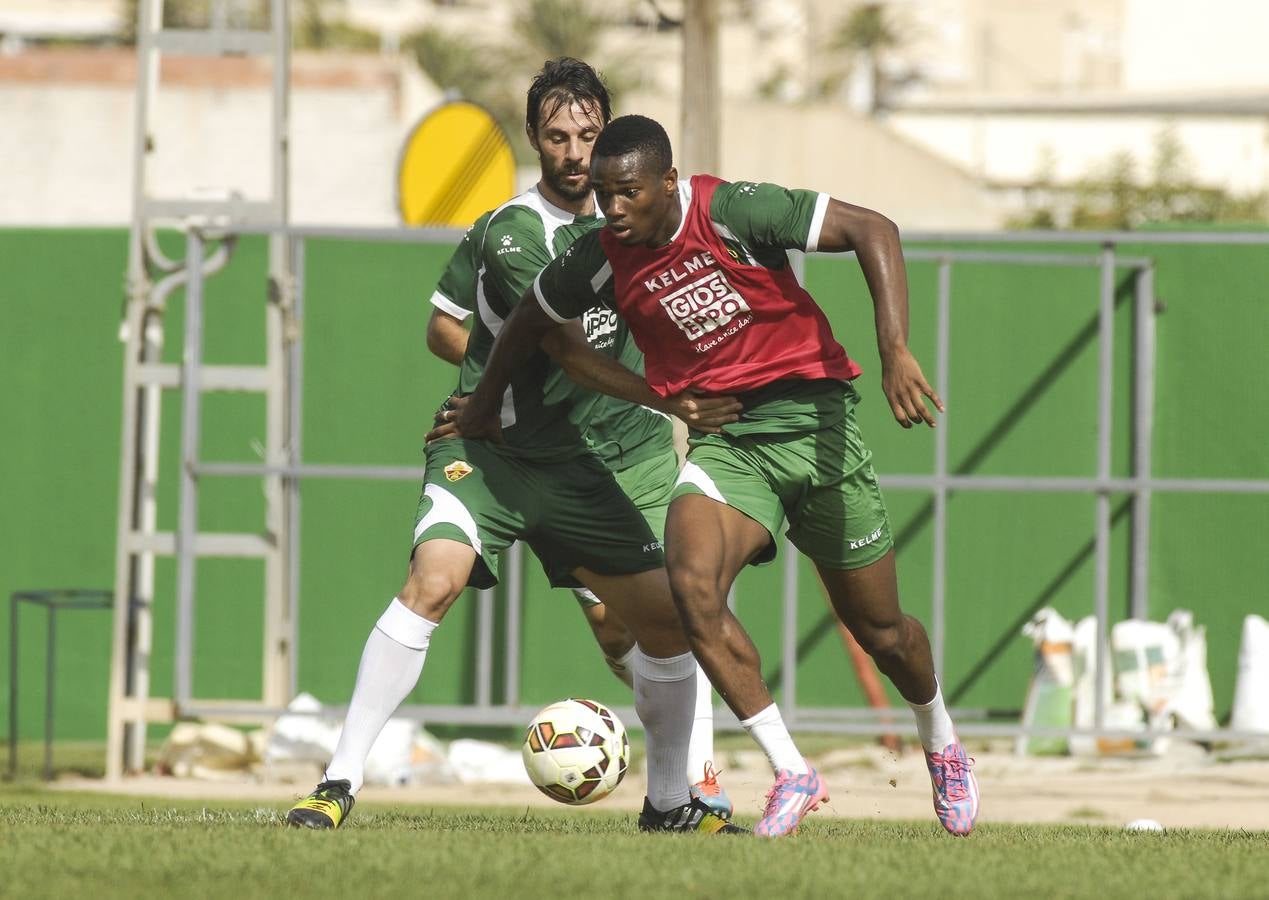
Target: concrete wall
point(66, 148)
point(69, 154)
point(852, 157)
point(1230, 152)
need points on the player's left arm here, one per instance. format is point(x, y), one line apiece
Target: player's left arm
point(767, 216)
point(875, 240)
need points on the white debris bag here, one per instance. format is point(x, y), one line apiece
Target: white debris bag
point(1049, 702)
point(1190, 704)
point(306, 736)
point(303, 737)
point(1160, 681)
point(208, 750)
point(1147, 664)
point(1251, 690)
point(480, 762)
point(1162, 667)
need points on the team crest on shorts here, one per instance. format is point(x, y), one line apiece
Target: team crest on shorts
point(457, 470)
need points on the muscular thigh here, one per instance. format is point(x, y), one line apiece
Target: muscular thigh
point(839, 518)
point(731, 471)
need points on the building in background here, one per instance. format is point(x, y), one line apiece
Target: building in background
point(943, 113)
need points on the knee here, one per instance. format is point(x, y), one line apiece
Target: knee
point(616, 646)
point(430, 593)
point(699, 600)
point(693, 587)
point(883, 642)
point(614, 639)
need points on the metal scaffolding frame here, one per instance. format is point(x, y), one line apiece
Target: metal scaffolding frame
point(291, 471)
point(152, 278)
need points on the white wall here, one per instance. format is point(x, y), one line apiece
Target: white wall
point(1187, 45)
point(1232, 153)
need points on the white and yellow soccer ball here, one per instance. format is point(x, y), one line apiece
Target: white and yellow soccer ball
point(576, 751)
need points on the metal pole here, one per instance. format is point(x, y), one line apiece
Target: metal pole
point(278, 662)
point(1105, 394)
point(134, 573)
point(295, 384)
point(938, 617)
point(1143, 435)
point(13, 686)
point(50, 674)
point(484, 646)
point(797, 262)
point(187, 523)
point(123, 657)
point(789, 649)
point(515, 602)
point(280, 24)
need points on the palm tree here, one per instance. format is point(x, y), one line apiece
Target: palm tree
point(866, 34)
point(495, 75)
point(549, 28)
point(465, 67)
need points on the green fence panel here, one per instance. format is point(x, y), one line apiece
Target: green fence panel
point(1023, 401)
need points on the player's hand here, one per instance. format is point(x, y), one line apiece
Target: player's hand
point(906, 389)
point(445, 422)
point(701, 413)
point(468, 421)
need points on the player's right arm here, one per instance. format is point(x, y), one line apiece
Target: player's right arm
point(446, 337)
point(454, 299)
point(604, 374)
point(521, 334)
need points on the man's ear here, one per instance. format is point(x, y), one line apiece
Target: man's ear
point(532, 134)
point(671, 180)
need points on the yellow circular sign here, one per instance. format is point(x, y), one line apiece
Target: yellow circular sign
point(455, 165)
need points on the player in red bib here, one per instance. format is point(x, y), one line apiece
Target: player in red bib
point(699, 270)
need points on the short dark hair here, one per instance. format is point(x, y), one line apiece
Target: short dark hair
point(636, 134)
point(562, 81)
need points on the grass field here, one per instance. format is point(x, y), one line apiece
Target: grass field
point(55, 844)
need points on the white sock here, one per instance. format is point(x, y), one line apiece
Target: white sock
point(700, 749)
point(390, 668)
point(767, 728)
point(664, 693)
point(933, 723)
point(623, 667)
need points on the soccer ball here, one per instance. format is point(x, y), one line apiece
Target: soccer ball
point(576, 751)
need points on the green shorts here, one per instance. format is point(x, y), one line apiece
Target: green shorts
point(822, 481)
point(649, 485)
point(571, 512)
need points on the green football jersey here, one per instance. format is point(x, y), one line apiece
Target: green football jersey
point(543, 412)
point(756, 224)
